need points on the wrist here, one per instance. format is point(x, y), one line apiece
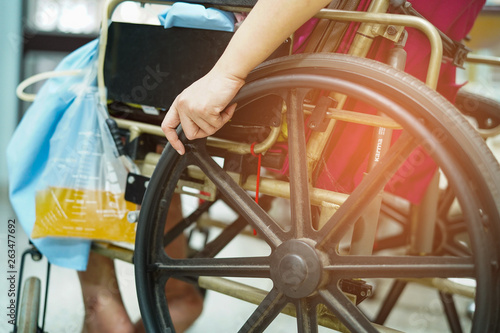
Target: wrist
point(237, 80)
point(229, 72)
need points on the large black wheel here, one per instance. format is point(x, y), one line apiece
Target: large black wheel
point(312, 278)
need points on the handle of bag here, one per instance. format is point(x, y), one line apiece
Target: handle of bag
point(40, 77)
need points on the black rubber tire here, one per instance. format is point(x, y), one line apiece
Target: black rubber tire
point(29, 307)
point(455, 146)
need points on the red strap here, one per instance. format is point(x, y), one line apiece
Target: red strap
point(259, 156)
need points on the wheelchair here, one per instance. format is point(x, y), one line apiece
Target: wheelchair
point(321, 259)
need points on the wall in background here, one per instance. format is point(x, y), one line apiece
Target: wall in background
point(484, 40)
point(11, 41)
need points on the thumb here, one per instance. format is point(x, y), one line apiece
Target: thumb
point(228, 113)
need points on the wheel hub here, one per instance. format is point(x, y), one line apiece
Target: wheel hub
point(296, 268)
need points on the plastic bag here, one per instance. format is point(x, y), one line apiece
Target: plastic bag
point(81, 194)
point(61, 152)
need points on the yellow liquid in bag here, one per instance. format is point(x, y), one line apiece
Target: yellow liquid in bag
point(64, 212)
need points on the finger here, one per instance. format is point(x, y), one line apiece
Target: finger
point(196, 128)
point(173, 139)
point(168, 126)
point(228, 113)
point(208, 125)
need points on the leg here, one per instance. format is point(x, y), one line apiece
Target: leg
point(104, 310)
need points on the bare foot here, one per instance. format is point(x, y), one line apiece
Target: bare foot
point(104, 310)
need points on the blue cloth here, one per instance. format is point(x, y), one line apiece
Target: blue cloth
point(186, 15)
point(28, 153)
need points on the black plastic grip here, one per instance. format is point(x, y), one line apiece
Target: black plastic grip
point(115, 133)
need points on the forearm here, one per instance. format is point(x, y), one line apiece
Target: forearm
point(269, 23)
point(203, 107)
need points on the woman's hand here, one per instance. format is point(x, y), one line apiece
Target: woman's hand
point(202, 108)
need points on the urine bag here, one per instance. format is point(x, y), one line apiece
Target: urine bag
point(66, 182)
point(83, 183)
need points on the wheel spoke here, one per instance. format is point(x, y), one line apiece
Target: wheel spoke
point(456, 226)
point(372, 184)
point(455, 248)
point(400, 267)
point(451, 312)
point(390, 300)
point(186, 222)
point(239, 199)
point(230, 267)
point(307, 318)
point(394, 213)
point(445, 202)
point(346, 311)
point(391, 242)
point(450, 243)
point(265, 313)
point(299, 185)
point(227, 235)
